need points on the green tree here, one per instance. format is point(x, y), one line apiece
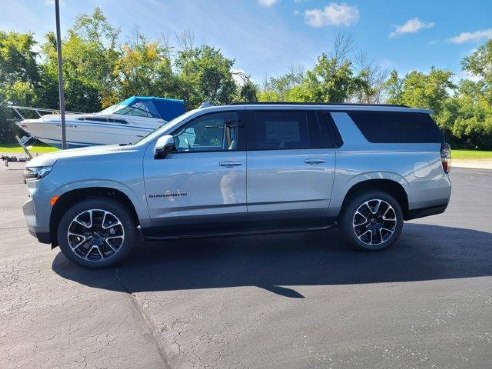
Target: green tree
point(468, 114)
point(373, 79)
point(19, 77)
point(473, 123)
point(469, 121)
point(268, 96)
point(89, 54)
point(479, 64)
point(420, 90)
point(248, 91)
point(280, 87)
point(394, 89)
point(427, 90)
point(206, 75)
point(332, 80)
point(18, 59)
point(144, 68)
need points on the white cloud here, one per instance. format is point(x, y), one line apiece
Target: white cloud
point(457, 77)
point(332, 15)
point(471, 36)
point(410, 26)
point(36, 49)
point(267, 3)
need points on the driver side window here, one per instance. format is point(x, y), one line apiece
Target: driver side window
point(211, 132)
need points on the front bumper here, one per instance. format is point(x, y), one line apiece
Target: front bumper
point(42, 233)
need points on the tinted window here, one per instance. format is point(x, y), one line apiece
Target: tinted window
point(329, 129)
point(397, 127)
point(283, 130)
point(211, 132)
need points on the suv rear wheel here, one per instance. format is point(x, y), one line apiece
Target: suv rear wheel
point(97, 232)
point(372, 221)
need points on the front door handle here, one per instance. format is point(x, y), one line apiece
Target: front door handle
point(314, 161)
point(230, 164)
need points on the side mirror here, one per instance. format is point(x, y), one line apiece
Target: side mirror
point(164, 146)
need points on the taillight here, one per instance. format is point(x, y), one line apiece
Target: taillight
point(446, 157)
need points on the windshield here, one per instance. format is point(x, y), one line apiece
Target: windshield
point(169, 125)
point(110, 109)
point(138, 109)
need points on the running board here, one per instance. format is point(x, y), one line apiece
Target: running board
point(238, 233)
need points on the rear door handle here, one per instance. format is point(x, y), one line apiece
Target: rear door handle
point(314, 161)
point(230, 164)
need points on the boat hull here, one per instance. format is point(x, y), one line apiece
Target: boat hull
point(86, 133)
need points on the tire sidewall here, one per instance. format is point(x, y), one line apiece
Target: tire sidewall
point(346, 222)
point(103, 204)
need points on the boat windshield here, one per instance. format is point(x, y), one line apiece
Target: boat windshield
point(138, 108)
point(168, 125)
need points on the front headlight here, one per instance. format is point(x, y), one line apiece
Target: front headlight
point(37, 172)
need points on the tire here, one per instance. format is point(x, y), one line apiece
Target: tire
point(96, 233)
point(372, 221)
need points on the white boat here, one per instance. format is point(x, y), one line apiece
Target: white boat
point(123, 123)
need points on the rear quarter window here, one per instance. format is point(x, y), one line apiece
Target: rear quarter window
point(397, 127)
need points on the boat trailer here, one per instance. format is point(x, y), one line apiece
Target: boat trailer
point(23, 142)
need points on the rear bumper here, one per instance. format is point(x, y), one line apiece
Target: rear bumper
point(425, 212)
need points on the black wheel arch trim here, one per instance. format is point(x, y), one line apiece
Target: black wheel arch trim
point(389, 186)
point(70, 198)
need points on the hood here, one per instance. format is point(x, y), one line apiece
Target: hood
point(85, 152)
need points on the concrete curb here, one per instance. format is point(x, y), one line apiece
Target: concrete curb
point(472, 163)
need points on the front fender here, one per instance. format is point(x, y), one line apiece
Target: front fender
point(135, 195)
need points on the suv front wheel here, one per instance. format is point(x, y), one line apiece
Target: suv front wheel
point(372, 221)
point(96, 232)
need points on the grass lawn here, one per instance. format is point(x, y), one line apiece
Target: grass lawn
point(36, 149)
point(471, 154)
point(41, 149)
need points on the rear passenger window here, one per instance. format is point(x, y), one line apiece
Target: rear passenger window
point(284, 130)
point(397, 127)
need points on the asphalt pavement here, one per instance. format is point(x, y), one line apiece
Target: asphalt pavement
point(282, 301)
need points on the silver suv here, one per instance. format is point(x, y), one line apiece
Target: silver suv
point(244, 169)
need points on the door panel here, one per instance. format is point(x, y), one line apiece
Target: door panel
point(290, 183)
point(196, 184)
point(204, 182)
point(291, 166)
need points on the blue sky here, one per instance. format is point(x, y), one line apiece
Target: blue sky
point(266, 37)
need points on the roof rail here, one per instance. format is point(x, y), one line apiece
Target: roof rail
point(315, 103)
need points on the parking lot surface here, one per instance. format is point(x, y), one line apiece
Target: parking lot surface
point(285, 301)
